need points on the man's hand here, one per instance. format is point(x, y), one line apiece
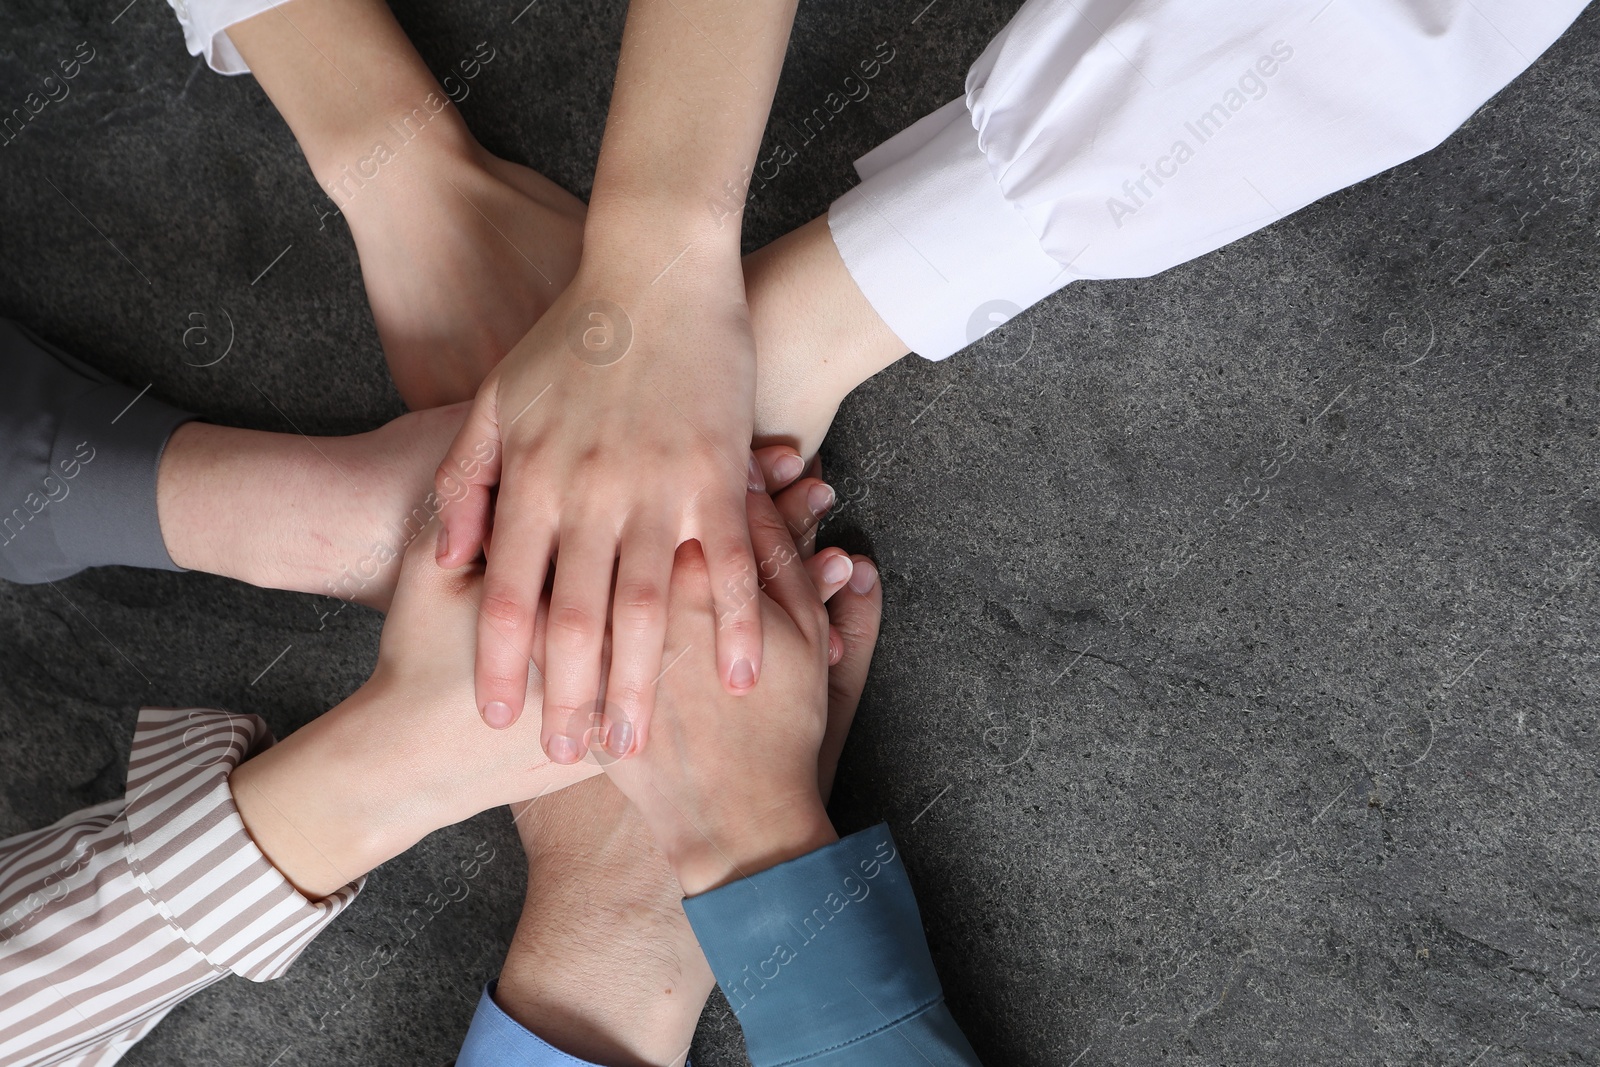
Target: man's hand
point(617, 430)
point(596, 878)
point(729, 786)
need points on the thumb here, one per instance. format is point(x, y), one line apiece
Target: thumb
point(854, 618)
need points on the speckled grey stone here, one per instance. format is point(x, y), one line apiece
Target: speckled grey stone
point(1237, 697)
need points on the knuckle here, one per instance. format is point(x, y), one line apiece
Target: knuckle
point(640, 600)
point(734, 562)
point(505, 610)
point(504, 682)
point(633, 695)
point(854, 629)
point(740, 625)
point(573, 623)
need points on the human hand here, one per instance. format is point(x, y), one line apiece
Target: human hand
point(461, 252)
point(617, 429)
point(595, 875)
point(729, 785)
point(403, 756)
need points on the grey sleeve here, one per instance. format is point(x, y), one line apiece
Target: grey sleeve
point(79, 456)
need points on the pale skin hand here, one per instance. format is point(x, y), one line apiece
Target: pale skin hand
point(402, 757)
point(635, 992)
point(230, 500)
point(330, 515)
point(729, 785)
point(405, 754)
point(460, 251)
point(610, 454)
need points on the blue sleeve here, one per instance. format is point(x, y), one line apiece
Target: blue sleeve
point(495, 1039)
point(825, 962)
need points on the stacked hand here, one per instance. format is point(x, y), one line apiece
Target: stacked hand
point(731, 785)
point(618, 429)
point(596, 876)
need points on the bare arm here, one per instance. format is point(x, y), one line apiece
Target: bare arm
point(620, 426)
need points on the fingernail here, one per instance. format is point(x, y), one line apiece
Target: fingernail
point(443, 548)
point(788, 468)
point(837, 569)
point(620, 738)
point(864, 577)
point(744, 675)
point(819, 498)
point(498, 715)
point(758, 484)
point(564, 749)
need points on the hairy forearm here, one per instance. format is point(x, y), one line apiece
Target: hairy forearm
point(634, 992)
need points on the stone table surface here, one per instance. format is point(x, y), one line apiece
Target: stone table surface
point(1237, 694)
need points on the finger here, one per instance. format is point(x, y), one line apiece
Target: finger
point(855, 615)
point(731, 565)
point(463, 480)
point(688, 596)
point(829, 569)
point(803, 506)
point(574, 635)
point(513, 581)
point(638, 634)
point(814, 468)
point(777, 556)
point(780, 465)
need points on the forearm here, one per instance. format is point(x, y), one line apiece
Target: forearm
point(124, 873)
point(329, 515)
point(817, 336)
point(363, 783)
point(633, 991)
point(695, 81)
point(345, 77)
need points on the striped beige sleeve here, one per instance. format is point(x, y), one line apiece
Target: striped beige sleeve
point(114, 915)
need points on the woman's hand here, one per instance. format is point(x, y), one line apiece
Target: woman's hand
point(405, 755)
point(618, 429)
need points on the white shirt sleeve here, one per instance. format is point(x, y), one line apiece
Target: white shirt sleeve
point(205, 24)
point(1117, 138)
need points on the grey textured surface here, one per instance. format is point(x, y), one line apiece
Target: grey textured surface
point(1237, 698)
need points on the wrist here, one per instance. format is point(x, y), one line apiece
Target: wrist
point(653, 227)
point(318, 809)
point(346, 79)
point(373, 162)
point(712, 855)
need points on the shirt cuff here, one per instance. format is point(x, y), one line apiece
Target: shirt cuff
point(192, 856)
point(205, 24)
point(821, 954)
point(82, 458)
point(495, 1039)
point(932, 241)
